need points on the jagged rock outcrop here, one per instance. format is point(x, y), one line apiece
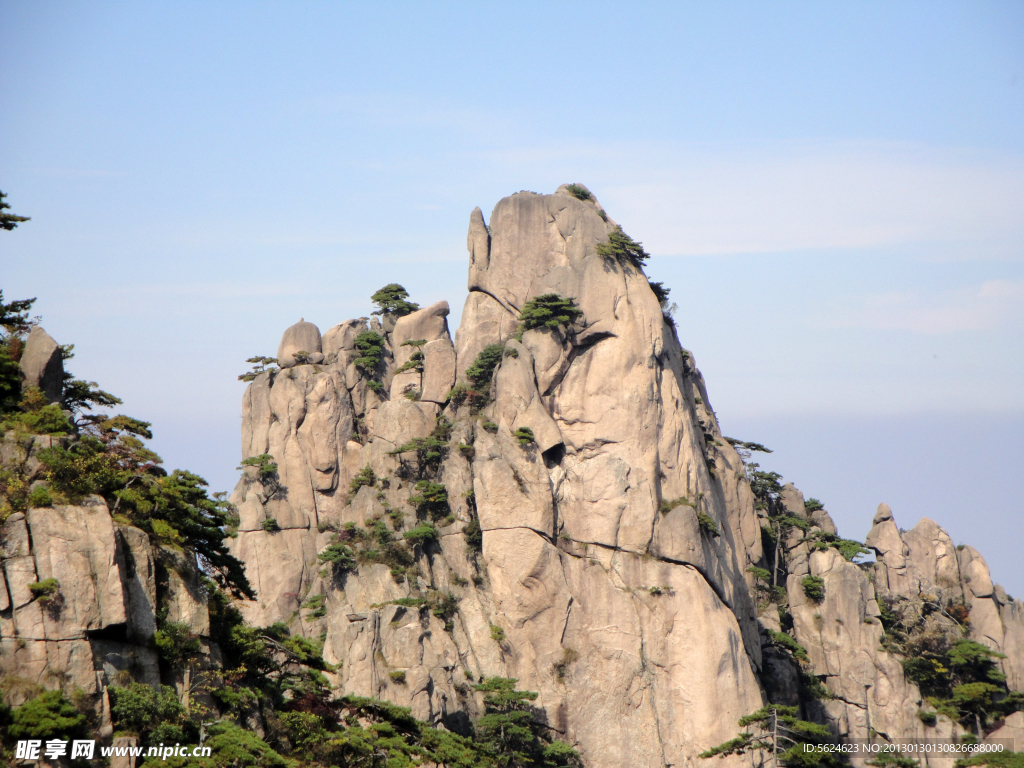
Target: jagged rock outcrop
point(573, 539)
point(576, 521)
point(923, 564)
point(79, 595)
point(606, 562)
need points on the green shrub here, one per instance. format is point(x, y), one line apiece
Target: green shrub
point(47, 716)
point(812, 505)
point(46, 420)
point(261, 365)
point(162, 532)
point(561, 667)
point(429, 452)
point(524, 435)
point(928, 718)
point(40, 497)
point(421, 534)
point(430, 500)
point(667, 505)
point(264, 464)
point(474, 535)
point(760, 573)
point(412, 394)
point(480, 372)
point(370, 346)
point(549, 311)
point(661, 293)
point(510, 731)
point(414, 363)
point(497, 634)
point(579, 192)
point(467, 451)
point(624, 249)
point(391, 299)
point(317, 606)
point(397, 676)
point(111, 460)
point(376, 386)
point(707, 524)
point(489, 426)
point(175, 642)
point(234, 746)
point(365, 476)
point(444, 607)
point(44, 591)
point(137, 708)
point(457, 394)
point(270, 525)
point(782, 640)
point(814, 588)
point(339, 556)
point(10, 371)
point(993, 760)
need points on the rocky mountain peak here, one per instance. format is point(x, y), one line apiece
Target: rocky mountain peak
point(549, 498)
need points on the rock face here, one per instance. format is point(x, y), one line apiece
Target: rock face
point(301, 338)
point(604, 563)
point(577, 522)
point(95, 621)
point(42, 364)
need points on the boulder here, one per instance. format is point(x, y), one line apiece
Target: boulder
point(301, 337)
point(438, 370)
point(342, 337)
point(429, 324)
point(76, 546)
point(42, 364)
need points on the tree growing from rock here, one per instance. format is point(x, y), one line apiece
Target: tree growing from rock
point(510, 728)
point(624, 249)
point(391, 300)
point(778, 736)
point(549, 311)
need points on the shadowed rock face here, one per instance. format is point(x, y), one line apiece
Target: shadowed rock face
point(42, 364)
point(638, 627)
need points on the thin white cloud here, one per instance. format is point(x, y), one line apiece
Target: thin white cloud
point(993, 304)
point(683, 200)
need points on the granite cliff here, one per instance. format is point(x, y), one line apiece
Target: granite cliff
point(547, 496)
point(615, 572)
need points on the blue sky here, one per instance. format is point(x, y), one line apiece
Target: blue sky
point(834, 193)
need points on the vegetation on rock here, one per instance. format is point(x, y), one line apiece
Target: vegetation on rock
point(548, 311)
point(779, 731)
point(370, 346)
point(260, 366)
point(579, 192)
point(623, 249)
point(391, 300)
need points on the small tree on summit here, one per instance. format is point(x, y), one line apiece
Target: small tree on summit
point(391, 300)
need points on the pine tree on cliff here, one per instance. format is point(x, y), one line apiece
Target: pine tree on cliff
point(9, 221)
point(780, 736)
